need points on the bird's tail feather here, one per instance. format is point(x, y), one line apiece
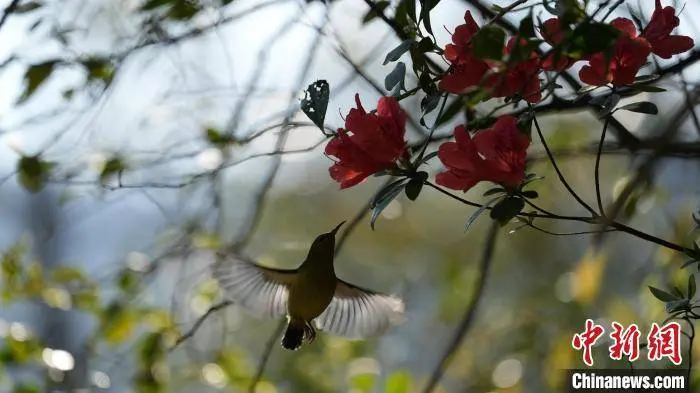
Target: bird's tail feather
point(297, 332)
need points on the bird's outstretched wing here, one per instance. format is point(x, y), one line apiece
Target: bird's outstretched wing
point(358, 313)
point(261, 290)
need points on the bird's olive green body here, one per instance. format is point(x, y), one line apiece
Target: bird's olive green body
point(314, 287)
point(313, 290)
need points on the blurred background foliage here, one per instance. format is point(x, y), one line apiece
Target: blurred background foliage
point(140, 136)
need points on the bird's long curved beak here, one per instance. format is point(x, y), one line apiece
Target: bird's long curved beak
point(333, 232)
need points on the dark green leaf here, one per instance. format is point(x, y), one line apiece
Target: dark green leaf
point(382, 193)
point(315, 102)
point(586, 89)
point(494, 191)
point(527, 27)
point(488, 43)
point(530, 194)
point(410, 9)
point(152, 349)
point(372, 13)
point(646, 107)
point(479, 212)
point(33, 172)
point(397, 52)
point(34, 76)
point(452, 109)
point(645, 78)
point(425, 45)
point(99, 69)
point(688, 263)
point(396, 78)
point(506, 209)
point(415, 185)
point(692, 286)
point(663, 295)
point(589, 38)
point(678, 292)
point(430, 102)
point(426, 7)
point(113, 166)
point(649, 88)
point(26, 6)
point(384, 202)
point(183, 9)
point(429, 156)
point(153, 4)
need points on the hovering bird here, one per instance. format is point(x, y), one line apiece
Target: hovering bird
point(311, 296)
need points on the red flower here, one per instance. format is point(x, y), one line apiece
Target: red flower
point(629, 55)
point(658, 33)
point(521, 78)
point(553, 33)
point(376, 142)
point(495, 154)
point(466, 71)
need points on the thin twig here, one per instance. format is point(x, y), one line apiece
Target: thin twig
point(198, 323)
point(601, 211)
point(266, 355)
point(469, 316)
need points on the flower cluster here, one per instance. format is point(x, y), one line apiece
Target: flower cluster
point(468, 72)
point(375, 142)
point(521, 77)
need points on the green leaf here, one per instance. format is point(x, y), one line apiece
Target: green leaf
point(488, 43)
point(415, 185)
point(646, 107)
point(183, 9)
point(589, 38)
point(407, 7)
point(608, 105)
point(399, 382)
point(384, 191)
point(33, 172)
point(152, 349)
point(649, 88)
point(530, 194)
point(494, 191)
point(99, 69)
point(662, 295)
point(692, 286)
point(396, 77)
point(34, 77)
point(372, 13)
point(397, 52)
point(117, 323)
point(527, 27)
point(363, 382)
point(479, 212)
point(427, 6)
point(315, 102)
point(153, 4)
point(26, 6)
point(113, 166)
point(506, 209)
point(384, 202)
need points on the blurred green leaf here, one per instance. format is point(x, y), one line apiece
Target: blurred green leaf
point(399, 382)
point(99, 69)
point(692, 286)
point(33, 172)
point(118, 323)
point(35, 75)
point(488, 43)
point(386, 195)
point(363, 382)
point(372, 13)
point(26, 6)
point(113, 166)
